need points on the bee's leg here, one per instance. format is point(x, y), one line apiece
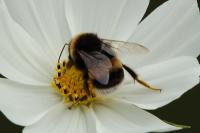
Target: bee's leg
point(85, 84)
point(135, 77)
point(69, 64)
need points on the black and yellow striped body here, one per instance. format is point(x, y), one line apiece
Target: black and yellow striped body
point(89, 42)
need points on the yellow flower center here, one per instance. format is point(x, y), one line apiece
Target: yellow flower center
point(69, 83)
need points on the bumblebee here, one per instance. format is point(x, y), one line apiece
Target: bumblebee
point(98, 60)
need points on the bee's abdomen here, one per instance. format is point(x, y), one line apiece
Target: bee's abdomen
point(116, 77)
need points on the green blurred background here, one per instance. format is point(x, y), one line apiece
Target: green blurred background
point(185, 110)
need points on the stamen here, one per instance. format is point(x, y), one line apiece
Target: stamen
point(69, 82)
point(58, 66)
point(64, 63)
point(59, 74)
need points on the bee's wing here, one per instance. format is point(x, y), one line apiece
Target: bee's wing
point(125, 48)
point(98, 65)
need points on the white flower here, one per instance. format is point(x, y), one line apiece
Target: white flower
point(33, 32)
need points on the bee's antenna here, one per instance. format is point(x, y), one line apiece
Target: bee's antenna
point(62, 52)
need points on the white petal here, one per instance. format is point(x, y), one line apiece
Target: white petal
point(43, 20)
point(25, 104)
point(118, 117)
point(171, 30)
point(22, 58)
point(113, 18)
point(174, 77)
point(63, 120)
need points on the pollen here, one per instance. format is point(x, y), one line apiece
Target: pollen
point(69, 82)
